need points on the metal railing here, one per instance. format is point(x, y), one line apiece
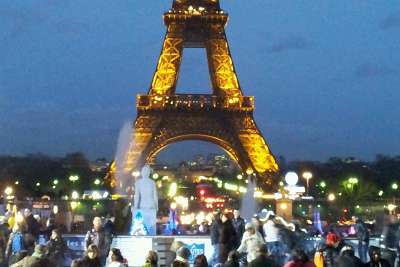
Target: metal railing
point(195, 102)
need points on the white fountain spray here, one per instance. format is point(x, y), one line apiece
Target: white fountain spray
point(124, 143)
point(249, 205)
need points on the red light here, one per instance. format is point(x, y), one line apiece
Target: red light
point(202, 192)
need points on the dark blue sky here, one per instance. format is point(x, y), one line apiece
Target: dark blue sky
point(325, 74)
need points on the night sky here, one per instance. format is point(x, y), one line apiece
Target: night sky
point(325, 74)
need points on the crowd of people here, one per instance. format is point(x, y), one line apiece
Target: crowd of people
point(271, 242)
point(274, 242)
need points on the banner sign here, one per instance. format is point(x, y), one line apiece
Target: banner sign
point(197, 246)
point(76, 248)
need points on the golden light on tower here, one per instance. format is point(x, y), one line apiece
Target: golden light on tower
point(223, 117)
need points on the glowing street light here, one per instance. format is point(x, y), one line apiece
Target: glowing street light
point(75, 195)
point(322, 184)
point(97, 181)
point(8, 191)
point(73, 178)
point(155, 176)
point(307, 176)
point(380, 193)
point(239, 177)
point(353, 180)
point(291, 178)
point(331, 197)
point(55, 182)
point(395, 186)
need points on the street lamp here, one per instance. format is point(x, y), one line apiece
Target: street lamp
point(331, 197)
point(75, 195)
point(8, 191)
point(73, 178)
point(307, 176)
point(291, 178)
point(395, 186)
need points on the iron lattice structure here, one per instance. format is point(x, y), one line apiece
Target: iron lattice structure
point(224, 117)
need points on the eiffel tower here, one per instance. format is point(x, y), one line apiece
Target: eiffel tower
point(223, 117)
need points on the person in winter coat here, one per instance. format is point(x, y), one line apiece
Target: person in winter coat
point(363, 238)
point(227, 237)
point(91, 258)
point(33, 226)
point(262, 259)
point(233, 260)
point(37, 259)
point(239, 225)
point(346, 258)
point(331, 249)
point(200, 261)
point(299, 259)
point(3, 245)
point(117, 260)
point(182, 257)
point(100, 238)
point(273, 239)
point(214, 235)
point(16, 243)
point(251, 240)
point(151, 259)
point(375, 258)
point(56, 248)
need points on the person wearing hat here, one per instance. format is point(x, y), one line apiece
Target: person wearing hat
point(182, 256)
point(376, 259)
point(331, 249)
point(262, 259)
point(38, 258)
point(251, 240)
point(347, 258)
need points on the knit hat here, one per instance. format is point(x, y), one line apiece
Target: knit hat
point(183, 254)
point(249, 226)
point(40, 251)
point(331, 239)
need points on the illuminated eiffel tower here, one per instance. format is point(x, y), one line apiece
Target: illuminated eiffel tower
point(223, 117)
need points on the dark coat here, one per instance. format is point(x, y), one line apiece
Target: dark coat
point(362, 232)
point(330, 253)
point(262, 261)
point(101, 239)
point(87, 262)
point(227, 235)
point(214, 231)
point(239, 226)
point(383, 263)
point(32, 261)
point(33, 226)
point(348, 261)
point(56, 248)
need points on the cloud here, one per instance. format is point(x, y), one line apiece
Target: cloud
point(290, 43)
point(372, 70)
point(391, 21)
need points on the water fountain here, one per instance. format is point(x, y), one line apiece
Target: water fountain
point(123, 179)
point(249, 205)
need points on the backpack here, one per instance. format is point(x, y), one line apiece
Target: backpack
point(17, 242)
